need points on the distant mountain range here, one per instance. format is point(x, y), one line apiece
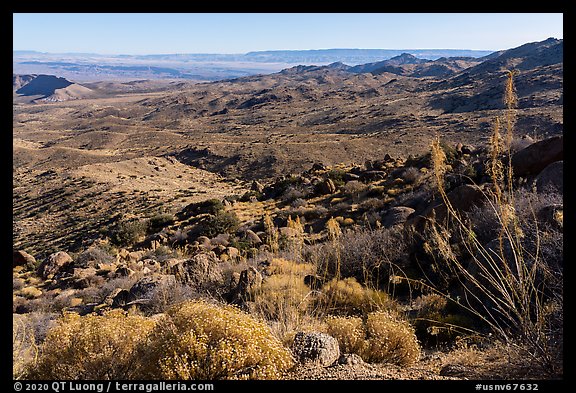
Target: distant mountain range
point(207, 67)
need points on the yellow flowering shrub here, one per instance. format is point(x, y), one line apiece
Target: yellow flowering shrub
point(281, 294)
point(390, 340)
point(91, 347)
point(381, 338)
point(348, 296)
point(349, 332)
point(199, 340)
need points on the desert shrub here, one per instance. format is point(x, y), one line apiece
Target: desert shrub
point(126, 233)
point(285, 266)
point(369, 255)
point(167, 294)
point(285, 183)
point(24, 348)
point(349, 297)
point(17, 283)
point(208, 206)
point(160, 221)
point(92, 347)
point(198, 340)
point(390, 340)
point(282, 296)
point(298, 202)
point(371, 204)
point(337, 176)
point(308, 212)
point(92, 256)
point(349, 332)
point(380, 338)
point(221, 222)
point(354, 188)
point(507, 283)
point(411, 175)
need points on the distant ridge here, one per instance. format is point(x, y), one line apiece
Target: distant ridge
point(48, 87)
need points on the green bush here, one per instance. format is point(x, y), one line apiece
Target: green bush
point(199, 340)
point(126, 233)
point(160, 221)
point(221, 222)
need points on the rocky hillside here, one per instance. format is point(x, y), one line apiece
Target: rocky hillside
point(48, 88)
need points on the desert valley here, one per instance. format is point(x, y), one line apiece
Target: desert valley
point(398, 219)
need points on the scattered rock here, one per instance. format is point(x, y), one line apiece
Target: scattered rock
point(455, 370)
point(22, 258)
point(318, 348)
point(55, 263)
point(118, 298)
point(350, 359)
point(124, 271)
point(534, 158)
point(373, 175)
point(551, 179)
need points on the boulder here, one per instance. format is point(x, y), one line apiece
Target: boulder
point(253, 237)
point(243, 284)
point(222, 239)
point(318, 166)
point(327, 187)
point(22, 258)
point(55, 263)
point(201, 269)
point(318, 348)
point(551, 179)
point(144, 287)
point(552, 216)
point(463, 198)
point(396, 216)
point(534, 158)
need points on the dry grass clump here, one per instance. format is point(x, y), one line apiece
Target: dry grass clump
point(380, 338)
point(24, 349)
point(92, 347)
point(285, 266)
point(511, 283)
point(349, 297)
point(198, 340)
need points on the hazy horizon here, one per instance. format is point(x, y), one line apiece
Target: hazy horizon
point(241, 33)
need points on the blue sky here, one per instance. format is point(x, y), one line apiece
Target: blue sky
point(143, 33)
